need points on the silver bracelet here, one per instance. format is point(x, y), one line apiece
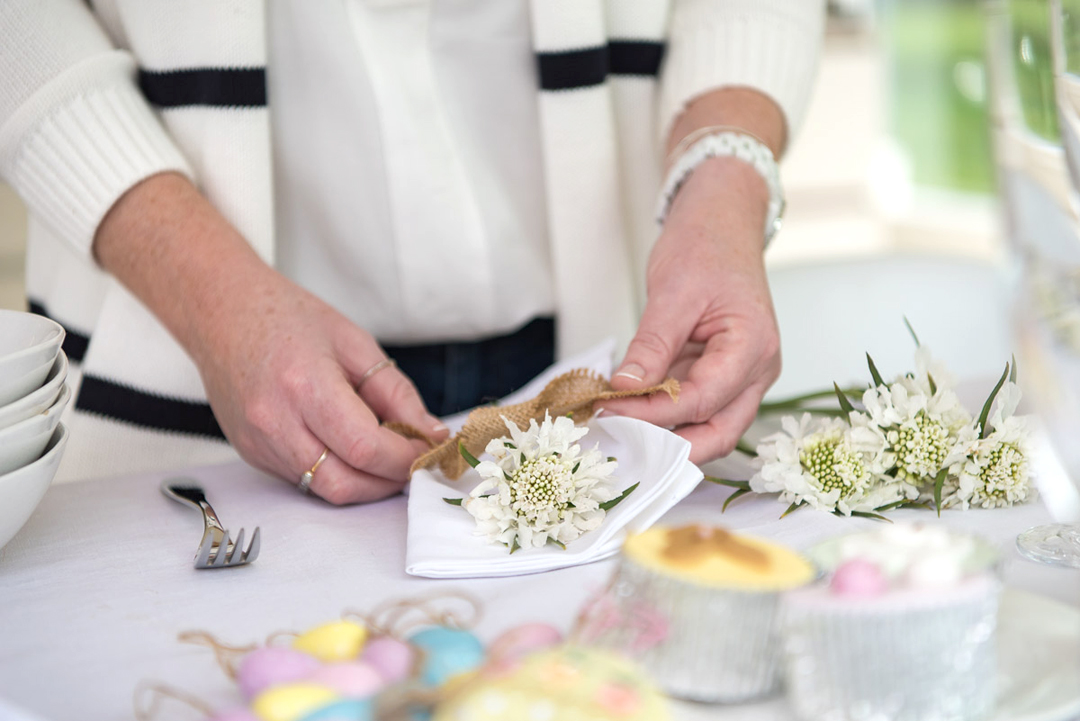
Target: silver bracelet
point(727, 143)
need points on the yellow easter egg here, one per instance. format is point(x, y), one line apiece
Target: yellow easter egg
point(338, 641)
point(291, 701)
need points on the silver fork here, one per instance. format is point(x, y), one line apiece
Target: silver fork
point(215, 549)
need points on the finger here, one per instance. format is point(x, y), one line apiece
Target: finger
point(338, 417)
point(664, 329)
point(714, 380)
point(393, 397)
point(340, 484)
point(718, 436)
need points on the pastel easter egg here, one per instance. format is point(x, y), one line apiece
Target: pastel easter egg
point(352, 679)
point(522, 640)
point(337, 641)
point(271, 666)
point(392, 658)
point(292, 701)
point(350, 710)
point(448, 653)
point(859, 579)
point(236, 714)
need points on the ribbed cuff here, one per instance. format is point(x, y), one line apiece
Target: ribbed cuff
point(768, 45)
point(80, 143)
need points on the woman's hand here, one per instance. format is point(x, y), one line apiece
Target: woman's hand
point(284, 372)
point(709, 319)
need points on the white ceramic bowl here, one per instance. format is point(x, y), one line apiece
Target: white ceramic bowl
point(21, 490)
point(29, 344)
point(23, 442)
point(39, 400)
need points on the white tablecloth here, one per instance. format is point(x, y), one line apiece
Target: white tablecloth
point(99, 583)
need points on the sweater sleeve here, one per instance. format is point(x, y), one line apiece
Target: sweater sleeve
point(769, 45)
point(75, 131)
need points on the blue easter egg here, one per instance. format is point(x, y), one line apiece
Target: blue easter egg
point(350, 710)
point(448, 652)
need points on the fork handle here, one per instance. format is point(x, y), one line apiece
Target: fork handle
point(186, 491)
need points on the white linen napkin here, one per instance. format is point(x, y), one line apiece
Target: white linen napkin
point(441, 540)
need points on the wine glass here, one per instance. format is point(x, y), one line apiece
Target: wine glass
point(1034, 148)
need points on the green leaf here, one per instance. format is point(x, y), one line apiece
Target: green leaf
point(868, 514)
point(791, 509)
point(912, 331)
point(939, 485)
point(469, 458)
point(576, 466)
point(510, 445)
point(611, 459)
point(554, 542)
point(901, 504)
point(1012, 373)
point(798, 401)
point(741, 485)
point(984, 431)
point(515, 547)
point(608, 505)
point(743, 447)
point(878, 381)
point(523, 457)
point(933, 385)
point(454, 501)
point(737, 494)
point(845, 404)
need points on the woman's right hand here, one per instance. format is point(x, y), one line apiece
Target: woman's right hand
point(281, 367)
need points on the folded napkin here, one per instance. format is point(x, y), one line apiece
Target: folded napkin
point(441, 539)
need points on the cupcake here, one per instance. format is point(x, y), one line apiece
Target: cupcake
point(902, 629)
point(696, 606)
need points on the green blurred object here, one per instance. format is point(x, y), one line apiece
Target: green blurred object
point(937, 75)
point(1029, 46)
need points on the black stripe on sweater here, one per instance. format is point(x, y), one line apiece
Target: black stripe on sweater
point(217, 87)
point(75, 343)
point(130, 405)
point(587, 67)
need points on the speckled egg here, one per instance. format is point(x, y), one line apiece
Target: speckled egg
point(352, 679)
point(266, 667)
point(350, 710)
point(337, 641)
point(292, 702)
point(447, 653)
point(392, 658)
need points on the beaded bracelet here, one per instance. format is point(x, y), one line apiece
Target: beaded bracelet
point(708, 143)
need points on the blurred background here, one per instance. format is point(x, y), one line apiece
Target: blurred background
point(894, 157)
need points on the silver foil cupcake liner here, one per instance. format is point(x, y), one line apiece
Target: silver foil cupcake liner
point(933, 663)
point(697, 643)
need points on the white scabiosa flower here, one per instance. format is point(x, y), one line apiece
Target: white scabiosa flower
point(996, 472)
point(541, 486)
point(826, 463)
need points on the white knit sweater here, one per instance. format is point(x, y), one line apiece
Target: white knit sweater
point(95, 100)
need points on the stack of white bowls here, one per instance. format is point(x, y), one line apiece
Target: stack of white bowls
point(33, 395)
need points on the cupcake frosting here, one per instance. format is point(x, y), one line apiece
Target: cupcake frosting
point(713, 557)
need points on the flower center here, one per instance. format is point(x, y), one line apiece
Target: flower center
point(541, 486)
point(835, 466)
point(1004, 473)
point(921, 448)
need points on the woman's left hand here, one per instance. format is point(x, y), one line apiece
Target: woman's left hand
point(709, 319)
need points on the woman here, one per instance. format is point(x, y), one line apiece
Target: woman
point(448, 176)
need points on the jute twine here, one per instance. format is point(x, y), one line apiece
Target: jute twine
point(574, 393)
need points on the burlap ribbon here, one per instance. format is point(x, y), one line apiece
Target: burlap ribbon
point(573, 393)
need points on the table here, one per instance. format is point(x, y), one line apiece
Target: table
point(98, 584)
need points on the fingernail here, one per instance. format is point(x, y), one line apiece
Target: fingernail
point(439, 427)
point(632, 371)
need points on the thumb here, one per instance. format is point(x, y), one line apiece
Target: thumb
point(663, 331)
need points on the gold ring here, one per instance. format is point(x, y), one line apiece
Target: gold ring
point(384, 363)
point(305, 480)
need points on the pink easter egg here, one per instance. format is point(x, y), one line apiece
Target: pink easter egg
point(523, 640)
point(858, 578)
point(236, 714)
point(271, 666)
point(393, 659)
point(352, 679)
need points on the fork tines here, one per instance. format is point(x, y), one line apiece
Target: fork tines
point(220, 552)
